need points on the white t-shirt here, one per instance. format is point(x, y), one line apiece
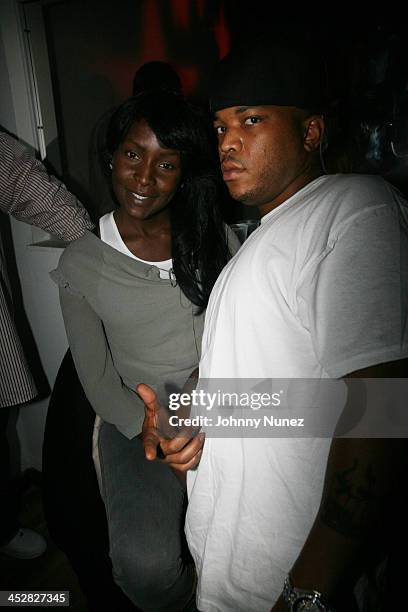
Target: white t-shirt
point(319, 290)
point(110, 234)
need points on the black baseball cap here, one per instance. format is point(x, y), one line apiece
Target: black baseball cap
point(268, 73)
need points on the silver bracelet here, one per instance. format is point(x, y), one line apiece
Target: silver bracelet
point(302, 600)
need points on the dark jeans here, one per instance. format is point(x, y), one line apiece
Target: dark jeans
point(145, 504)
point(8, 507)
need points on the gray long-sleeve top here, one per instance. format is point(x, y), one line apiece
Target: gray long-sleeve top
point(125, 325)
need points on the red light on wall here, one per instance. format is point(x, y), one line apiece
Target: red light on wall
point(189, 77)
point(155, 34)
point(200, 7)
point(180, 12)
point(153, 45)
point(222, 34)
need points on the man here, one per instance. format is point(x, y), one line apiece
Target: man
point(317, 291)
point(29, 194)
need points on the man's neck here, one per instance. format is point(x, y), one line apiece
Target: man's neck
point(299, 183)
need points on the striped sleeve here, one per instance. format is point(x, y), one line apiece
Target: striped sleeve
point(30, 194)
point(16, 382)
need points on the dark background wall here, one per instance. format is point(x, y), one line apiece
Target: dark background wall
point(96, 46)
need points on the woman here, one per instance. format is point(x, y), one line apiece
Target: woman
point(133, 303)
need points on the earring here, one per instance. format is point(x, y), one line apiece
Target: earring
point(110, 166)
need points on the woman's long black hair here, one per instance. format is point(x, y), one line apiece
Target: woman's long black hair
point(199, 239)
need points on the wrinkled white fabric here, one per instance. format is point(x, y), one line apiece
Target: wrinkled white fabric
point(319, 290)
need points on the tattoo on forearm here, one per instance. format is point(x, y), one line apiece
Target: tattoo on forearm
point(348, 508)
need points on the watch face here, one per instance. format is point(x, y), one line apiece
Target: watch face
point(305, 604)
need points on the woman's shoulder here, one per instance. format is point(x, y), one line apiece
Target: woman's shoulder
point(88, 246)
point(81, 259)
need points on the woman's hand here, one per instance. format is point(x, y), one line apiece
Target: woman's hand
point(181, 452)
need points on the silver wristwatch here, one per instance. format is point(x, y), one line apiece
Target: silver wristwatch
point(301, 600)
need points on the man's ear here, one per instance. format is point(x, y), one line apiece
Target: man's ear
point(313, 129)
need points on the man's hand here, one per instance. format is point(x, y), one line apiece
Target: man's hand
point(182, 452)
point(362, 476)
point(150, 434)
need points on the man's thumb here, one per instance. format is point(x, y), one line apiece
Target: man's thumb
point(147, 395)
